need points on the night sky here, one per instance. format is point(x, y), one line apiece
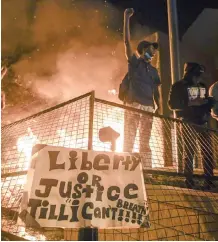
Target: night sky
point(154, 12)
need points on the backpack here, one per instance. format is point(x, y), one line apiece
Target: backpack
point(124, 88)
point(125, 93)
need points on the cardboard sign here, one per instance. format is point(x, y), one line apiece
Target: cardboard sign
point(75, 188)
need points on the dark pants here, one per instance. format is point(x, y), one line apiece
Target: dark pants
point(191, 136)
point(132, 122)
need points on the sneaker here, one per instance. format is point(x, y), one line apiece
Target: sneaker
point(189, 184)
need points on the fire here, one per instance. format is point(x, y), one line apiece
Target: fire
point(25, 144)
point(113, 118)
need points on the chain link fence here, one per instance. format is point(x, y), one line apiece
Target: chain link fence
point(176, 211)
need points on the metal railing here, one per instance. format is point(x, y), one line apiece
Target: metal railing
point(176, 213)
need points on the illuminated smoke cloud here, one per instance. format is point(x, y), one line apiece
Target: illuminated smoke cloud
point(69, 47)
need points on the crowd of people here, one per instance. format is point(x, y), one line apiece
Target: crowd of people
point(189, 98)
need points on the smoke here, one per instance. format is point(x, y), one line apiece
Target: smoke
point(15, 26)
point(69, 47)
point(78, 72)
point(74, 50)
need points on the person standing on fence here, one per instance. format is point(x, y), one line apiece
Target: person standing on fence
point(189, 98)
point(139, 89)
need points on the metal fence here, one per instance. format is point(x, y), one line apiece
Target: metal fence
point(176, 212)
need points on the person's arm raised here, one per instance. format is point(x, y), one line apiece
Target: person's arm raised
point(126, 33)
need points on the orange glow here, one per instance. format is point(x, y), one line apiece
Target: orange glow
point(25, 144)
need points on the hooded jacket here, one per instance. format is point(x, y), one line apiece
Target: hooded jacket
point(185, 90)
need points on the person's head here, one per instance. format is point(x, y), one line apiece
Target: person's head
point(147, 50)
point(193, 72)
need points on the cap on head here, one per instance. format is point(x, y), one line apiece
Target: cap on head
point(145, 44)
point(193, 68)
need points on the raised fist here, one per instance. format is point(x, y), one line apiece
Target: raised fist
point(129, 12)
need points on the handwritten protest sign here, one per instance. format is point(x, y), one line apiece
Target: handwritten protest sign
point(75, 188)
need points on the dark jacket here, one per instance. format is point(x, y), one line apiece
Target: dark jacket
point(180, 94)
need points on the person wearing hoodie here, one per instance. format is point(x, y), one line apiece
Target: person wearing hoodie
point(189, 99)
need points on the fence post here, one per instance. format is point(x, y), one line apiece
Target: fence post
point(91, 119)
point(175, 67)
point(89, 234)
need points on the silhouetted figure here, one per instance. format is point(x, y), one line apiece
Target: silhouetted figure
point(189, 98)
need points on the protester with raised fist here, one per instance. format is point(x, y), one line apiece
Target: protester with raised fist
point(139, 89)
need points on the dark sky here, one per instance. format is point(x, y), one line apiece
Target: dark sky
point(154, 12)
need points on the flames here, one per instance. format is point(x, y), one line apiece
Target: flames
point(25, 144)
point(114, 117)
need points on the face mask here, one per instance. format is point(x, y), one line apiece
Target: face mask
point(148, 56)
